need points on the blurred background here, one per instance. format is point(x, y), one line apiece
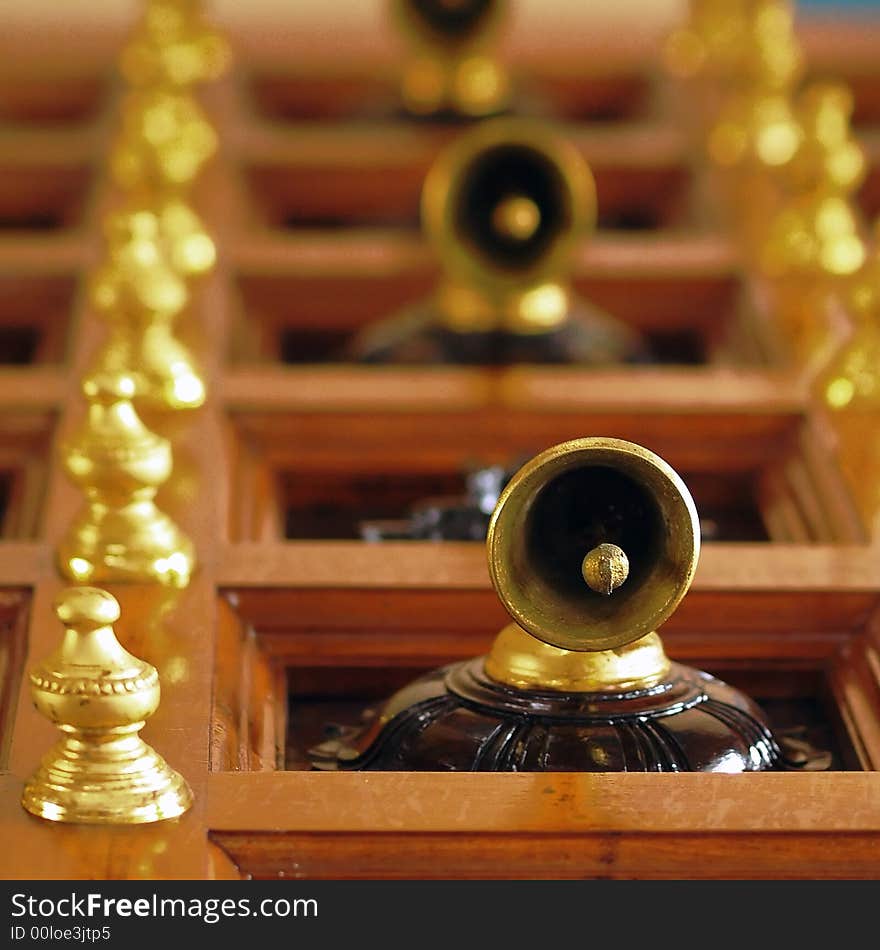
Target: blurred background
point(315, 29)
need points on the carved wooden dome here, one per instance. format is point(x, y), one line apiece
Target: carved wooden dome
point(458, 719)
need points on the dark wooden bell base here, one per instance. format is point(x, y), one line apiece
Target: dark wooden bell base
point(457, 719)
point(418, 336)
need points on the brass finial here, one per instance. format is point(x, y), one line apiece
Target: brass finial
point(165, 137)
point(736, 42)
point(121, 535)
point(850, 388)
point(174, 45)
point(141, 295)
point(830, 155)
point(190, 247)
point(788, 163)
point(817, 230)
point(813, 243)
point(516, 217)
point(99, 695)
point(760, 66)
point(164, 141)
point(744, 61)
point(605, 568)
point(755, 128)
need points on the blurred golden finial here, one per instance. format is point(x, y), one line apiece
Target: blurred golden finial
point(164, 141)
point(755, 130)
point(755, 125)
point(737, 43)
point(121, 535)
point(154, 238)
point(852, 378)
point(784, 167)
point(829, 155)
point(850, 388)
point(814, 240)
point(140, 295)
point(173, 45)
point(743, 60)
point(165, 138)
point(99, 695)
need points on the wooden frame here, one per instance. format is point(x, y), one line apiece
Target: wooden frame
point(811, 607)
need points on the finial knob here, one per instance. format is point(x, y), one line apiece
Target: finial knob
point(86, 608)
point(99, 695)
point(605, 568)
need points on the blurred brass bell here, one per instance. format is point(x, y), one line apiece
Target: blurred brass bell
point(505, 206)
point(591, 547)
point(550, 527)
point(452, 69)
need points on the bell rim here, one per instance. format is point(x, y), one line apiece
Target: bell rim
point(521, 492)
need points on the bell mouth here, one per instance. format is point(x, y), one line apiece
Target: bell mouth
point(511, 207)
point(566, 503)
point(452, 19)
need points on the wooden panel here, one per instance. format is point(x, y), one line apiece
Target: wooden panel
point(13, 633)
point(744, 855)
point(40, 199)
point(314, 282)
point(327, 96)
point(792, 618)
point(33, 318)
point(73, 99)
point(477, 825)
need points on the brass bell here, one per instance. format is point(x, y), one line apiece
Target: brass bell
point(591, 547)
point(452, 70)
point(505, 206)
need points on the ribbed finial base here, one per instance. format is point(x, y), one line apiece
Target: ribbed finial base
point(118, 782)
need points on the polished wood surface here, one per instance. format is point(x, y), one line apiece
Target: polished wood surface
point(803, 602)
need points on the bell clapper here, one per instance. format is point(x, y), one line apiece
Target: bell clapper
point(605, 568)
point(516, 217)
